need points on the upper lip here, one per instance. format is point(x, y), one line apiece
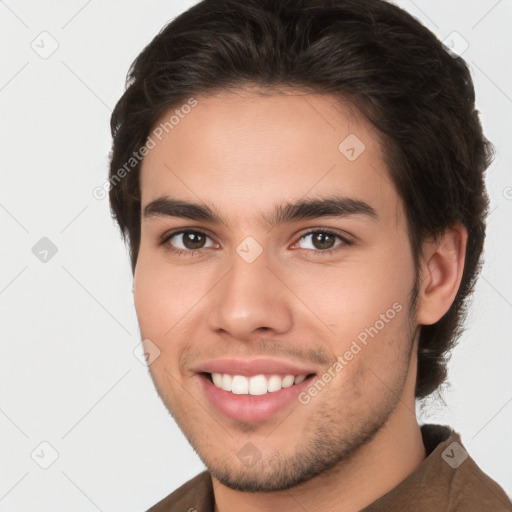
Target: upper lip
point(254, 366)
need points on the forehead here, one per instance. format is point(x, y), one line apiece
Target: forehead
point(243, 152)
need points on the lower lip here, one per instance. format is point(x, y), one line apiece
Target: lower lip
point(251, 408)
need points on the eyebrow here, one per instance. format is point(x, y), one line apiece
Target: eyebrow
point(332, 206)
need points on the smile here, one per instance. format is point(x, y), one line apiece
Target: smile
point(255, 385)
point(253, 398)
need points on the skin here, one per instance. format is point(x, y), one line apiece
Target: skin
point(243, 153)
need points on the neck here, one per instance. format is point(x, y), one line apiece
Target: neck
point(376, 468)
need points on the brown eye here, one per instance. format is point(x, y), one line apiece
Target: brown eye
point(192, 240)
point(322, 241)
point(188, 241)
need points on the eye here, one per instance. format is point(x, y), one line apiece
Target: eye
point(322, 241)
point(187, 241)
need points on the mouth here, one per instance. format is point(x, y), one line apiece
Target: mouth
point(255, 385)
point(253, 398)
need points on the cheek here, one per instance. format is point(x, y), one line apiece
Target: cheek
point(162, 297)
point(162, 300)
point(351, 298)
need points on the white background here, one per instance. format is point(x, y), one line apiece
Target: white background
point(68, 374)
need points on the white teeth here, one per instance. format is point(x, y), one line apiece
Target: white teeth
point(288, 381)
point(217, 379)
point(256, 385)
point(240, 385)
point(226, 382)
point(274, 383)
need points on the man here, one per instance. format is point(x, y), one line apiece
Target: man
point(301, 183)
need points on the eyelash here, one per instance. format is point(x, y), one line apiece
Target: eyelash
point(189, 253)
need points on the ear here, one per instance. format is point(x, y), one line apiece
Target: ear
point(441, 273)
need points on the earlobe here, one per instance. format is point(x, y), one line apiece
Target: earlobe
point(441, 274)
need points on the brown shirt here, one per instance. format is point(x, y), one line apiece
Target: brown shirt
point(448, 480)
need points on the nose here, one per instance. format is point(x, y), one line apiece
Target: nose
point(250, 298)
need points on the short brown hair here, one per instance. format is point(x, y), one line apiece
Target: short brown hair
point(370, 52)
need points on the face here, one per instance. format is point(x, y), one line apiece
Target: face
point(275, 310)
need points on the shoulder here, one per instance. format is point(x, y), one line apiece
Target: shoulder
point(447, 480)
point(472, 489)
point(196, 495)
point(467, 487)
